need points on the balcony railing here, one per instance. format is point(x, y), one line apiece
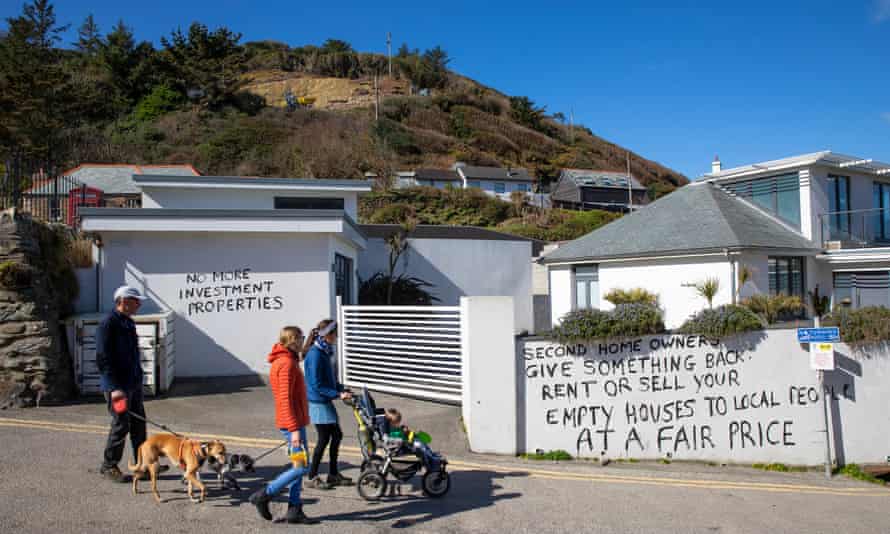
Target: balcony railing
point(855, 228)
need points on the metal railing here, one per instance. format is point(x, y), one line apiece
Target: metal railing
point(408, 350)
point(45, 195)
point(856, 228)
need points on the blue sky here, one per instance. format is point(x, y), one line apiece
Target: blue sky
point(750, 81)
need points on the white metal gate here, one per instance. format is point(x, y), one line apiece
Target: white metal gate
point(411, 350)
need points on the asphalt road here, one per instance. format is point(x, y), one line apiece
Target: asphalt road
point(49, 483)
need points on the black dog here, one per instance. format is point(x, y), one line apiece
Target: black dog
point(224, 471)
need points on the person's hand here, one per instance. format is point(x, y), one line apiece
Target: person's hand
point(346, 395)
point(117, 394)
point(295, 440)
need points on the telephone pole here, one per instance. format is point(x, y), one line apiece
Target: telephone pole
point(630, 196)
point(389, 52)
point(571, 126)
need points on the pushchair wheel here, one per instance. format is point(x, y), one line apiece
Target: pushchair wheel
point(436, 483)
point(371, 485)
point(374, 462)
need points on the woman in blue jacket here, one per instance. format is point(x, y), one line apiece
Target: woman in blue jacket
point(322, 389)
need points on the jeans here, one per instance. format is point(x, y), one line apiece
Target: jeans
point(292, 477)
point(332, 434)
point(121, 425)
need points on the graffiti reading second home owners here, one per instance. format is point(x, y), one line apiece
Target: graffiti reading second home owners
point(228, 291)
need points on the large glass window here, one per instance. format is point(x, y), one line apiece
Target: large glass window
point(786, 276)
point(862, 288)
point(499, 187)
point(474, 183)
point(779, 195)
point(839, 201)
point(522, 187)
point(587, 291)
point(882, 217)
point(308, 203)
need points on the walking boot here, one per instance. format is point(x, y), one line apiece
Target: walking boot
point(261, 499)
point(295, 516)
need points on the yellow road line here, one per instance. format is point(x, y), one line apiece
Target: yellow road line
point(260, 443)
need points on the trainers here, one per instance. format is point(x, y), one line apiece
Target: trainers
point(261, 499)
point(318, 483)
point(114, 474)
point(339, 480)
point(295, 516)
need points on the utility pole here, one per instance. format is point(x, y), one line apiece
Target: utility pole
point(630, 196)
point(571, 126)
point(389, 52)
point(376, 100)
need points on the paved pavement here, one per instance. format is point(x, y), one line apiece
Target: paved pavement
point(49, 483)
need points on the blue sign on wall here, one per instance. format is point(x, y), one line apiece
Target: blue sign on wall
point(831, 334)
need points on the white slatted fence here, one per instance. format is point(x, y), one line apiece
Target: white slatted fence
point(409, 350)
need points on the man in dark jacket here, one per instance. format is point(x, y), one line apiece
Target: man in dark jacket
point(118, 360)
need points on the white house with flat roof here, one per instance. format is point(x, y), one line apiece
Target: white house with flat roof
point(820, 219)
point(235, 258)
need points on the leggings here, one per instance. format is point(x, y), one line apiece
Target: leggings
point(329, 433)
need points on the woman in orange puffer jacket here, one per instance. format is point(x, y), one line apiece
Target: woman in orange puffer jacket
point(291, 418)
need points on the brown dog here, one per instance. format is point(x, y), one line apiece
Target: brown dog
point(189, 453)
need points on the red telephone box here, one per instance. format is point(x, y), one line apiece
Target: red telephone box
point(82, 196)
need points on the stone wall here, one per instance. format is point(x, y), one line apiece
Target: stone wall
point(34, 288)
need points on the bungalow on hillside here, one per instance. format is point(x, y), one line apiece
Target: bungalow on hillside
point(816, 220)
point(583, 189)
point(495, 181)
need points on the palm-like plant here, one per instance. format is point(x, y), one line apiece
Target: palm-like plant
point(708, 289)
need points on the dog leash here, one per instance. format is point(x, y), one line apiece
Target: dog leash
point(270, 451)
point(149, 421)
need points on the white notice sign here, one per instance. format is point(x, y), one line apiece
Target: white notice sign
point(822, 356)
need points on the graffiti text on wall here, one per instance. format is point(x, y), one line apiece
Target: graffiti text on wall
point(228, 291)
point(659, 396)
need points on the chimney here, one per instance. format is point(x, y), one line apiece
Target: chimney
point(716, 165)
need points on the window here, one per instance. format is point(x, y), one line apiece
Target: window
point(779, 195)
point(862, 288)
point(786, 276)
point(474, 183)
point(839, 201)
point(882, 217)
point(587, 287)
point(522, 187)
point(500, 187)
point(343, 278)
point(308, 203)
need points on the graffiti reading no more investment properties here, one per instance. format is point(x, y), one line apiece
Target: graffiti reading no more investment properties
point(671, 394)
point(228, 291)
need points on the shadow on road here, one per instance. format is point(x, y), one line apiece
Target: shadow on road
point(470, 490)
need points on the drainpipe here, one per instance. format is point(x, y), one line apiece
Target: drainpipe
point(732, 268)
point(98, 243)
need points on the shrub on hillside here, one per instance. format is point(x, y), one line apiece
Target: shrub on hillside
point(626, 320)
point(636, 295)
point(863, 326)
point(773, 308)
point(161, 100)
point(396, 213)
point(558, 225)
point(722, 321)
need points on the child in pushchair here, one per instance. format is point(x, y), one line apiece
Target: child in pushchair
point(390, 449)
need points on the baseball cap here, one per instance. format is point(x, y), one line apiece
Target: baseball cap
point(127, 292)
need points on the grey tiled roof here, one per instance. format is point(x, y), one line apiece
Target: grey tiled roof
point(436, 174)
point(699, 217)
point(113, 179)
point(496, 173)
point(594, 178)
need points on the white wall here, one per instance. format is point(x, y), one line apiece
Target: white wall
point(605, 389)
point(463, 267)
point(562, 291)
point(232, 198)
point(489, 366)
point(668, 278)
point(229, 342)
